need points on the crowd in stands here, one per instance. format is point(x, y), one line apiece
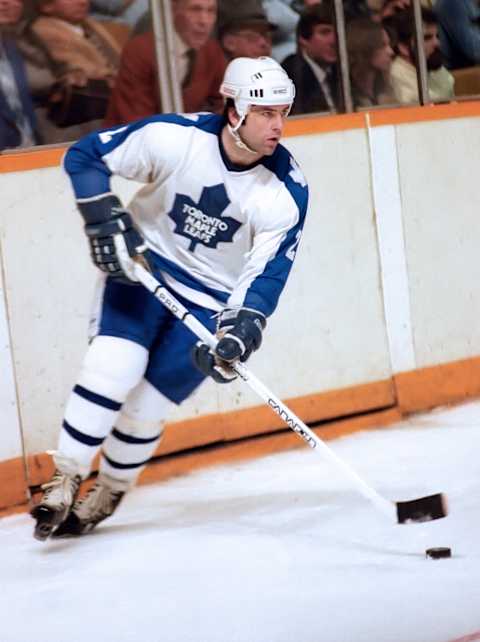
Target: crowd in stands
point(68, 67)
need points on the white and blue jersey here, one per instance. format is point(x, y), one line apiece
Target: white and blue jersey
point(220, 235)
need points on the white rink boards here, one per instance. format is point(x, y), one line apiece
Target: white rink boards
point(336, 327)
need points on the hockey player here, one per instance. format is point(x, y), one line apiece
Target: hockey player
point(218, 221)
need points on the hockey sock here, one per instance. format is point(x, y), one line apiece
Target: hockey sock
point(136, 435)
point(112, 367)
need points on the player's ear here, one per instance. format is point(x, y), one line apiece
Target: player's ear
point(232, 116)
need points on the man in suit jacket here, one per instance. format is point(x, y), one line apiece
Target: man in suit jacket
point(18, 126)
point(313, 68)
point(200, 65)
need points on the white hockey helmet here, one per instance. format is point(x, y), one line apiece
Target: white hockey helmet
point(256, 81)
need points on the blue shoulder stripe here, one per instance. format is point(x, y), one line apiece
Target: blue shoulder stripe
point(265, 290)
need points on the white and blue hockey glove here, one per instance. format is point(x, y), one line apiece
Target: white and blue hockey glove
point(104, 219)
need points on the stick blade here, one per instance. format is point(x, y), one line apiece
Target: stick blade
point(424, 509)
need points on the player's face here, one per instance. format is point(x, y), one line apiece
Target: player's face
point(10, 11)
point(73, 11)
point(263, 128)
point(194, 20)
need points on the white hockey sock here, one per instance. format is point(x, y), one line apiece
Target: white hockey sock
point(112, 367)
point(137, 433)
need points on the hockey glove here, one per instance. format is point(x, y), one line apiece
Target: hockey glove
point(104, 219)
point(241, 334)
point(210, 365)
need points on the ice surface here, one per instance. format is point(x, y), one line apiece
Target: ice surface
point(280, 549)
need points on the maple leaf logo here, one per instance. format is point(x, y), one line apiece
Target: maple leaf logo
point(203, 222)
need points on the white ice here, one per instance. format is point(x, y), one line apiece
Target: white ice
point(279, 549)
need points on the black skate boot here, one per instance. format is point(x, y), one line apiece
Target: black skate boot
point(58, 498)
point(99, 503)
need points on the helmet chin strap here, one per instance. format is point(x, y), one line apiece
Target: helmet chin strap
point(237, 138)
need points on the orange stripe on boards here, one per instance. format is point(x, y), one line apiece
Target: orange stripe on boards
point(247, 422)
point(298, 126)
point(417, 114)
point(261, 446)
point(37, 159)
point(446, 383)
point(16, 161)
point(415, 391)
point(14, 510)
point(13, 486)
point(40, 468)
point(306, 125)
point(226, 453)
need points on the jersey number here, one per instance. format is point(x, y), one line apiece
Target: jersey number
point(106, 137)
point(292, 250)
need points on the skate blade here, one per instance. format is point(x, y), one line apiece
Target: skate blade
point(70, 527)
point(46, 519)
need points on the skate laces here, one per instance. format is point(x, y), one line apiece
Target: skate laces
point(61, 489)
point(100, 501)
point(57, 480)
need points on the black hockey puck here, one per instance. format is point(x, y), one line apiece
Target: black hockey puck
point(438, 553)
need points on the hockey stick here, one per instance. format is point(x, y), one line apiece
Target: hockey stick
point(423, 509)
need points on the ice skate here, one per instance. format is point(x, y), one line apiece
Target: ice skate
point(99, 503)
point(58, 498)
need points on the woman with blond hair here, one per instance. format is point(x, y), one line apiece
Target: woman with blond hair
point(370, 57)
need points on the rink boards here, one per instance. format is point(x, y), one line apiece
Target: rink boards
point(380, 314)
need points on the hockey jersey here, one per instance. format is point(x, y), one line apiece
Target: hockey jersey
point(220, 235)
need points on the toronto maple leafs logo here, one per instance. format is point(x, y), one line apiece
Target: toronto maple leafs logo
point(203, 222)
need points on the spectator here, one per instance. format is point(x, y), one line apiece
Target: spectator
point(41, 71)
point(127, 12)
point(385, 9)
point(302, 5)
point(392, 7)
point(403, 73)
point(87, 59)
point(244, 30)
point(351, 8)
point(18, 124)
point(285, 19)
point(278, 12)
point(370, 57)
point(459, 22)
point(80, 44)
point(356, 9)
point(200, 66)
point(313, 68)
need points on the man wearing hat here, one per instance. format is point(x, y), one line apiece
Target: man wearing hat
point(244, 30)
